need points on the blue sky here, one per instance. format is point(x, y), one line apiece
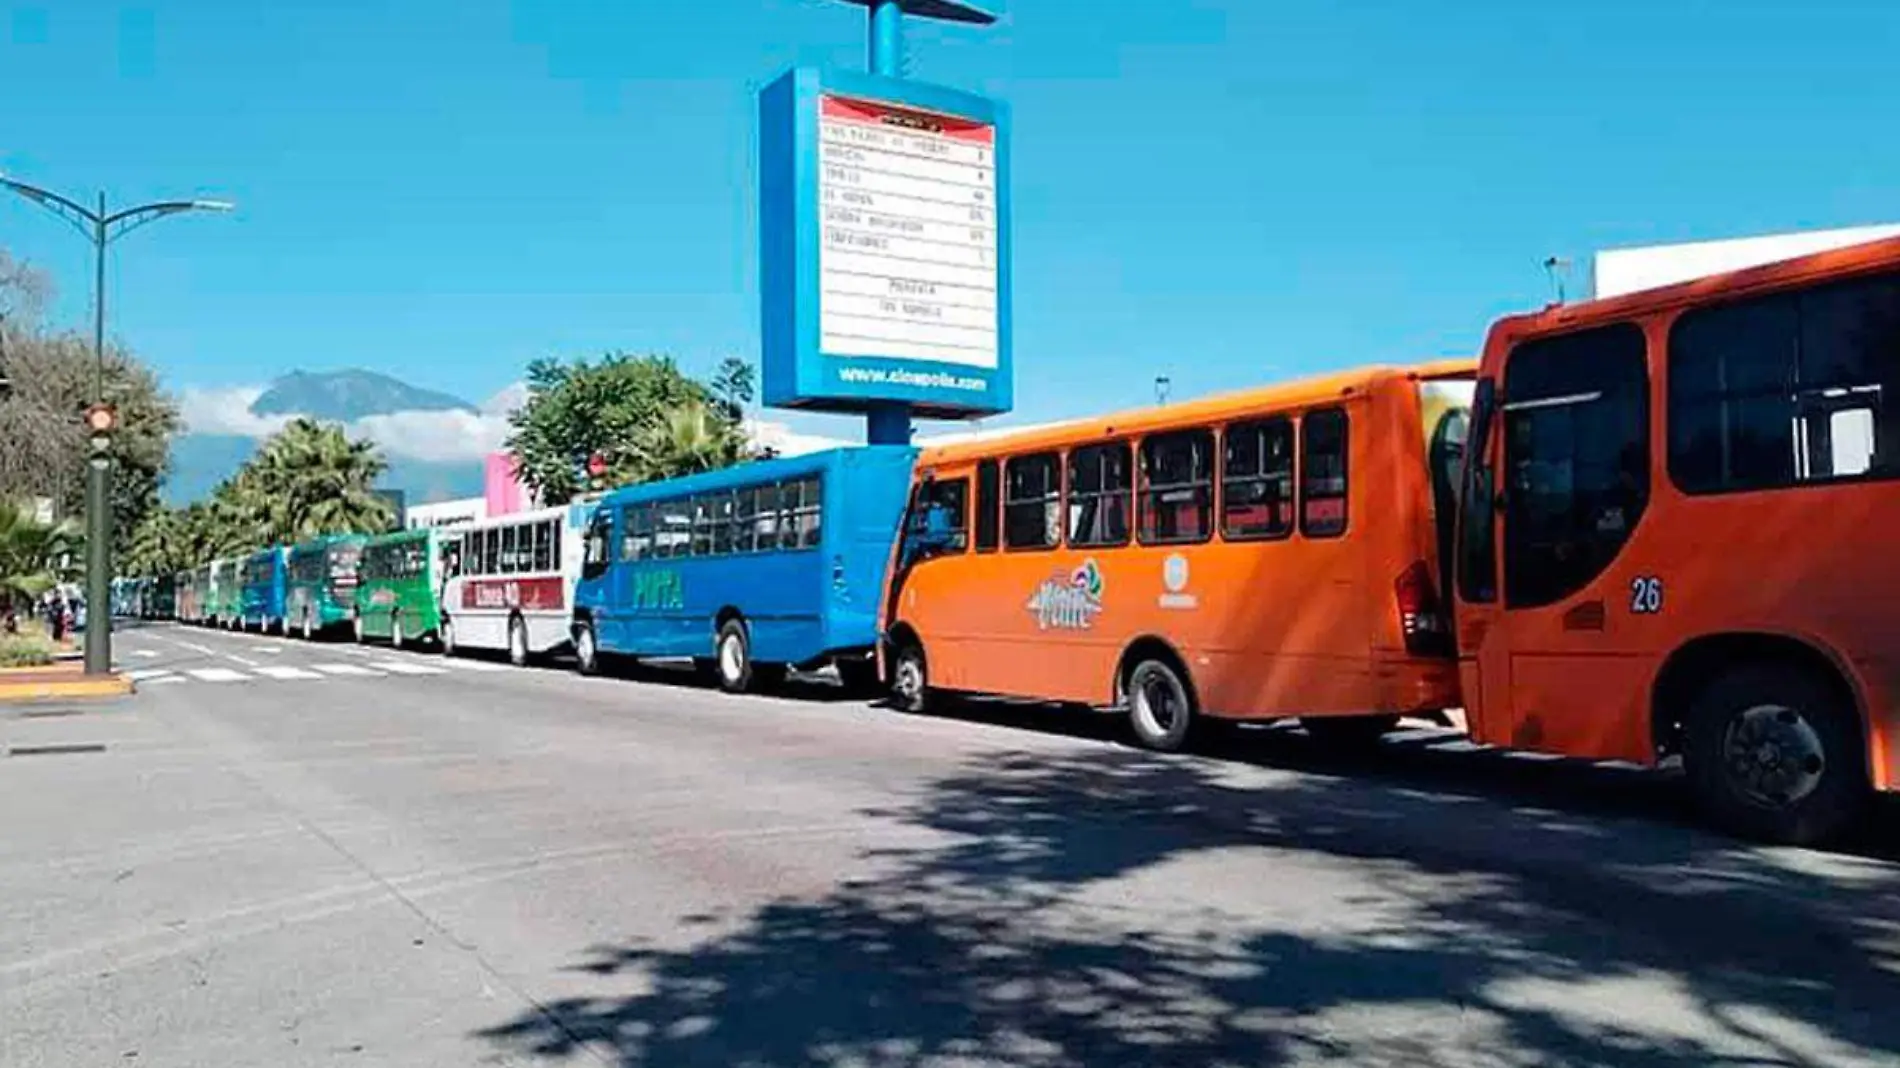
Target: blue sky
point(1226, 193)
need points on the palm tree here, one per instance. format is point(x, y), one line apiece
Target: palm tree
point(34, 556)
point(158, 544)
point(310, 480)
point(686, 440)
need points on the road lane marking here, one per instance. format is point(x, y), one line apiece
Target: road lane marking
point(167, 678)
point(147, 653)
point(284, 672)
point(400, 668)
point(475, 665)
point(147, 673)
point(246, 661)
point(217, 675)
point(343, 669)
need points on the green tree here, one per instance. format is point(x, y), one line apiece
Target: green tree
point(34, 556)
point(620, 407)
point(51, 374)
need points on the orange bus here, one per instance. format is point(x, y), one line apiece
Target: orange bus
point(1268, 553)
point(1679, 531)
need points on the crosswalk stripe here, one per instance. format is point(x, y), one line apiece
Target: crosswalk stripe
point(283, 672)
point(147, 673)
point(166, 678)
point(401, 668)
point(217, 675)
point(473, 665)
point(343, 669)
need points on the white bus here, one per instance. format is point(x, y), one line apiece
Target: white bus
point(510, 582)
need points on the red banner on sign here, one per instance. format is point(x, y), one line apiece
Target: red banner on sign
point(528, 594)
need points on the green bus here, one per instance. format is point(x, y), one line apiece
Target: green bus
point(398, 587)
point(225, 603)
point(320, 587)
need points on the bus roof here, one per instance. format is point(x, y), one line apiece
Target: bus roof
point(744, 474)
point(1818, 266)
point(1215, 409)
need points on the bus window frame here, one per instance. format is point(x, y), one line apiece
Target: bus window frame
point(1292, 476)
point(1145, 489)
point(1055, 459)
point(1304, 456)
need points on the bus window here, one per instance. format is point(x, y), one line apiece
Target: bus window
point(1257, 480)
point(988, 531)
point(703, 506)
point(745, 516)
point(1177, 487)
point(1099, 485)
point(596, 553)
point(810, 514)
point(1477, 524)
point(1032, 503)
point(950, 497)
point(1576, 453)
point(543, 546)
point(766, 522)
point(1786, 389)
point(672, 528)
point(719, 514)
point(1323, 448)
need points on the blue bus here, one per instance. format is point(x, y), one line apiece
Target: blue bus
point(748, 570)
point(262, 594)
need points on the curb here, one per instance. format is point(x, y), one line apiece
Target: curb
point(41, 689)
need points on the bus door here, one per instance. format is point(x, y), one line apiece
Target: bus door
point(1549, 621)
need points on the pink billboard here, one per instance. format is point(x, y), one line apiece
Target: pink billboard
point(503, 489)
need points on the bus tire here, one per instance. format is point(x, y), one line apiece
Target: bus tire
point(910, 676)
point(517, 642)
point(586, 650)
point(732, 657)
point(1161, 707)
point(1773, 752)
point(857, 674)
point(1349, 732)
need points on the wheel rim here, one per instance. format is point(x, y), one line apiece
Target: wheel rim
point(1159, 702)
point(731, 657)
point(586, 648)
point(908, 678)
point(1774, 756)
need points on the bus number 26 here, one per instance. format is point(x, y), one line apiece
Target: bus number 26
point(1646, 595)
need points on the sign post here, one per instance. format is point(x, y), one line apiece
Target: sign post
point(884, 239)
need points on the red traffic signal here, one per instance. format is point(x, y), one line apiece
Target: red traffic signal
point(596, 465)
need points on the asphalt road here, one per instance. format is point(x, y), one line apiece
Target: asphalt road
point(294, 855)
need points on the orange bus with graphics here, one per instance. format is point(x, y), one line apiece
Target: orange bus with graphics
point(1680, 537)
point(1264, 554)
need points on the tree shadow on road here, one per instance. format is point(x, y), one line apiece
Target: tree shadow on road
point(1114, 907)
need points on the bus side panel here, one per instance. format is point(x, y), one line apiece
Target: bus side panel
point(865, 494)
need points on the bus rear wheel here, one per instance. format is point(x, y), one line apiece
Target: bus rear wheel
point(517, 642)
point(1160, 707)
point(732, 657)
point(1773, 752)
point(1352, 732)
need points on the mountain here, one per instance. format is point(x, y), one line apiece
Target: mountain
point(202, 460)
point(347, 395)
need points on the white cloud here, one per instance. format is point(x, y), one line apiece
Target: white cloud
point(786, 441)
point(228, 411)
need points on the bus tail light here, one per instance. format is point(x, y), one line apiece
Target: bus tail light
point(1421, 615)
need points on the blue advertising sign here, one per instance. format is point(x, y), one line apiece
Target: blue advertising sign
point(884, 244)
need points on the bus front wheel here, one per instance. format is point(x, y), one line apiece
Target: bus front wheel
point(1160, 707)
point(910, 677)
point(1773, 752)
point(586, 650)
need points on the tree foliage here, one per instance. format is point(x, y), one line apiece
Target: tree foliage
point(307, 481)
point(642, 415)
point(51, 380)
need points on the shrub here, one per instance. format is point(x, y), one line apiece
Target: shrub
point(26, 649)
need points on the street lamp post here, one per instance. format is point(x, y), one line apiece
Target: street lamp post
point(102, 228)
